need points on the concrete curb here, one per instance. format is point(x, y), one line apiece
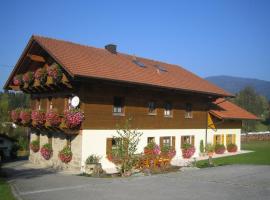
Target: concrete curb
point(15, 191)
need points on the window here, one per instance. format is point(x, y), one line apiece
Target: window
point(160, 68)
point(188, 113)
point(150, 140)
point(49, 104)
point(218, 139)
point(167, 141)
point(111, 145)
point(168, 110)
point(118, 104)
point(230, 139)
point(38, 105)
point(187, 139)
point(140, 64)
point(152, 108)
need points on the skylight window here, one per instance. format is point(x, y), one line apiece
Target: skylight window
point(140, 64)
point(160, 68)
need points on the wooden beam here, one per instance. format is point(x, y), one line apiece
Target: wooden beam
point(36, 58)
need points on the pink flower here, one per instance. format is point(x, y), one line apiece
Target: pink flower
point(187, 153)
point(38, 117)
point(55, 72)
point(40, 74)
point(17, 80)
point(73, 118)
point(15, 115)
point(28, 77)
point(53, 118)
point(25, 116)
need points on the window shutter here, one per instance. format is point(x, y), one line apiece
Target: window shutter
point(192, 140)
point(214, 140)
point(182, 141)
point(161, 142)
point(222, 138)
point(227, 139)
point(109, 146)
point(233, 138)
point(173, 142)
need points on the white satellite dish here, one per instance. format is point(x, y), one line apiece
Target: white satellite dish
point(75, 101)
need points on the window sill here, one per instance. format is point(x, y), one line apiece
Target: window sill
point(152, 114)
point(119, 114)
point(168, 116)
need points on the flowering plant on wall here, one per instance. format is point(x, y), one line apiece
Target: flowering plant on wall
point(53, 118)
point(65, 155)
point(34, 146)
point(41, 75)
point(231, 147)
point(55, 72)
point(46, 151)
point(25, 116)
point(219, 148)
point(73, 118)
point(152, 149)
point(17, 80)
point(15, 115)
point(28, 78)
point(188, 150)
point(168, 151)
point(38, 117)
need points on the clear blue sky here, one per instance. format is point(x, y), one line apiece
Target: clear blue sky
point(230, 37)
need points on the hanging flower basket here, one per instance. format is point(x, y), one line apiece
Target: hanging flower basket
point(41, 75)
point(73, 118)
point(231, 148)
point(188, 150)
point(55, 72)
point(18, 80)
point(34, 146)
point(38, 118)
point(15, 115)
point(53, 119)
point(28, 78)
point(65, 155)
point(46, 151)
point(25, 116)
point(219, 149)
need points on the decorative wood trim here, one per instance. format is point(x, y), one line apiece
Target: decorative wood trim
point(36, 58)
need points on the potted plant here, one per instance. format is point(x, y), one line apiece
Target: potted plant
point(65, 155)
point(17, 80)
point(188, 150)
point(25, 116)
point(73, 118)
point(152, 149)
point(55, 73)
point(167, 152)
point(34, 146)
point(38, 118)
point(46, 151)
point(53, 119)
point(28, 78)
point(41, 75)
point(93, 165)
point(219, 149)
point(15, 115)
point(231, 147)
point(202, 149)
point(209, 149)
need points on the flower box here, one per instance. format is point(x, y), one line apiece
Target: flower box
point(55, 73)
point(188, 150)
point(41, 75)
point(25, 116)
point(73, 118)
point(38, 118)
point(18, 80)
point(219, 149)
point(53, 119)
point(28, 79)
point(15, 115)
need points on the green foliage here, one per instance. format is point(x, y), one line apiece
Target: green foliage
point(47, 146)
point(92, 159)
point(150, 145)
point(209, 148)
point(219, 146)
point(5, 190)
point(23, 143)
point(201, 146)
point(165, 149)
point(186, 146)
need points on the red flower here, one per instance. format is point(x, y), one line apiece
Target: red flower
point(53, 118)
point(188, 152)
point(38, 117)
point(17, 80)
point(73, 118)
point(55, 72)
point(46, 151)
point(41, 75)
point(65, 155)
point(25, 116)
point(28, 77)
point(15, 115)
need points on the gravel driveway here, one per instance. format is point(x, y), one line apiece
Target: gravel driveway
point(226, 182)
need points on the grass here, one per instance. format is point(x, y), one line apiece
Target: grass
point(5, 190)
point(260, 156)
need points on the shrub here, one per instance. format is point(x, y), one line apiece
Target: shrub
point(38, 117)
point(73, 118)
point(219, 148)
point(34, 146)
point(17, 80)
point(41, 75)
point(25, 116)
point(65, 155)
point(55, 72)
point(46, 151)
point(28, 78)
point(15, 115)
point(92, 159)
point(53, 118)
point(188, 150)
point(201, 146)
point(231, 147)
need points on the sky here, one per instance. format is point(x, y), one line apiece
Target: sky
point(230, 37)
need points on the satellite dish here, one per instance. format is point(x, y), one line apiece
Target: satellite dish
point(75, 101)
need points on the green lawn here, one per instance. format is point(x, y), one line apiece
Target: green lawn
point(5, 191)
point(260, 156)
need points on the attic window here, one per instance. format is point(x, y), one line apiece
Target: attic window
point(140, 64)
point(160, 68)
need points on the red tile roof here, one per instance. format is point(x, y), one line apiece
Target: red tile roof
point(85, 61)
point(224, 109)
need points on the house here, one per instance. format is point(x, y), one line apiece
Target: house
point(6, 145)
point(169, 104)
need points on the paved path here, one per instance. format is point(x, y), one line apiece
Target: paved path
point(221, 183)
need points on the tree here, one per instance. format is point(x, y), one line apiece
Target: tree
point(127, 142)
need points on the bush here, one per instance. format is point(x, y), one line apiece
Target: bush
point(65, 155)
point(188, 150)
point(201, 146)
point(209, 148)
point(231, 147)
point(46, 151)
point(34, 146)
point(219, 149)
point(92, 159)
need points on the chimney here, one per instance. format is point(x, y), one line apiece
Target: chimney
point(111, 48)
